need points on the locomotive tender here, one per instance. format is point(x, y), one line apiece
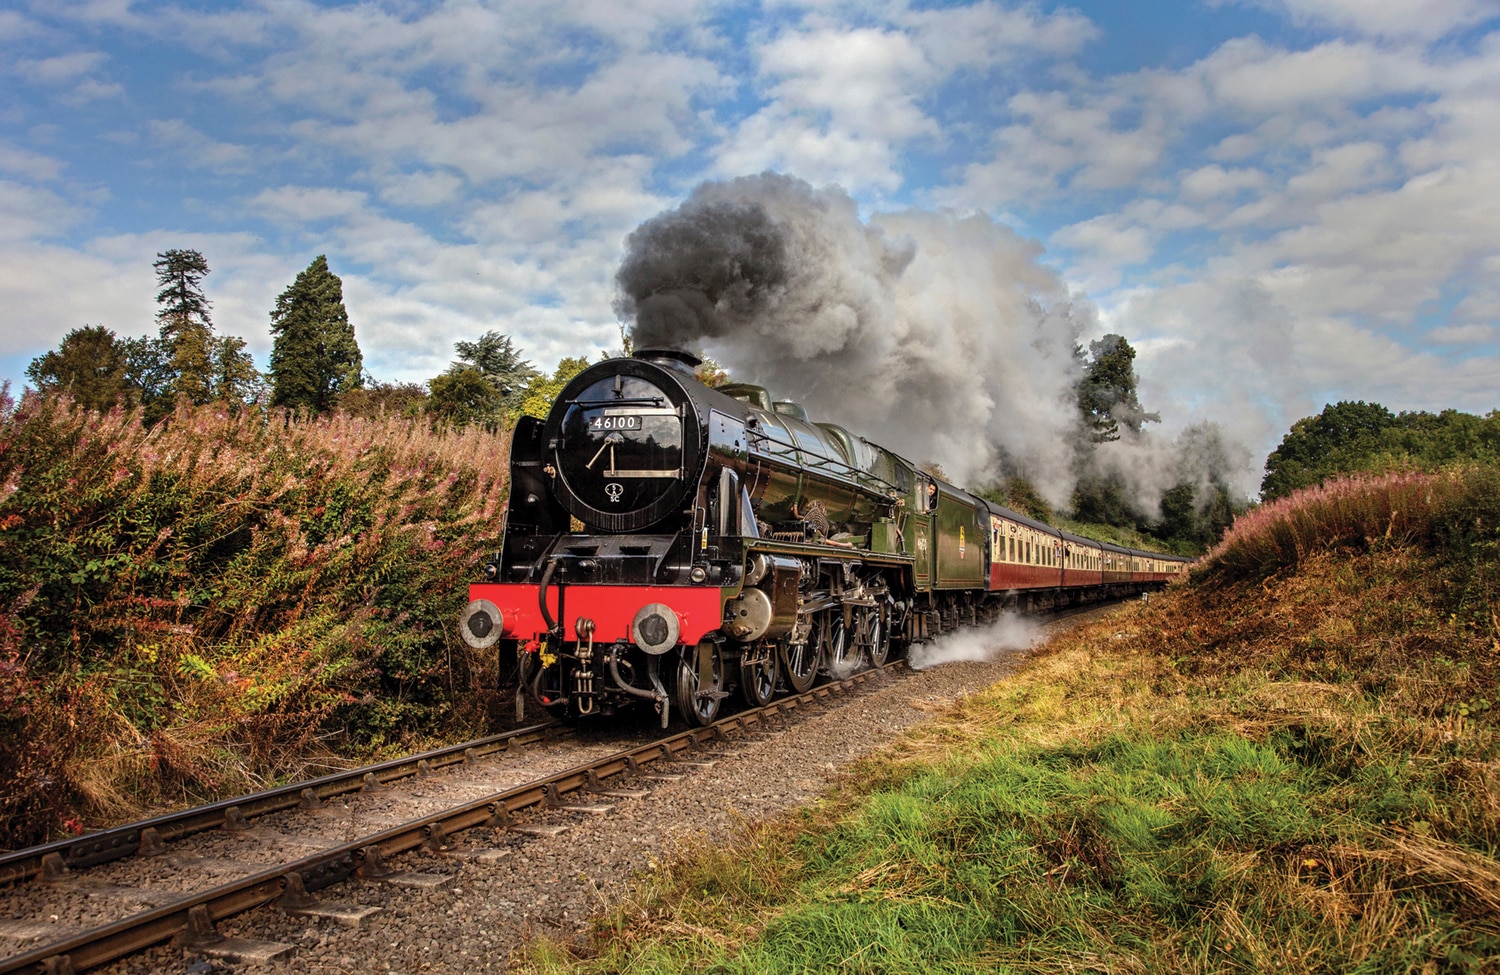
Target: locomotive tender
point(672, 543)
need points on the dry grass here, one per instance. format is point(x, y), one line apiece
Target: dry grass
point(1291, 767)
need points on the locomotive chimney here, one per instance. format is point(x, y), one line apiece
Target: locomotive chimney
point(679, 359)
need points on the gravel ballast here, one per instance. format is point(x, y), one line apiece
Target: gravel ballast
point(504, 888)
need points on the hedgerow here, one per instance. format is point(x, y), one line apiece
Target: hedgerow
point(204, 604)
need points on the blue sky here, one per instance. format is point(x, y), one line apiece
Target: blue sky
point(1280, 202)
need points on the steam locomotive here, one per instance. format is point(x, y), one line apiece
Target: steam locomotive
point(672, 544)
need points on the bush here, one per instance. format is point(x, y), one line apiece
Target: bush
point(1356, 511)
point(195, 604)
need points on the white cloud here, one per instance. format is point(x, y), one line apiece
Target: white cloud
point(1472, 334)
point(299, 204)
point(1343, 169)
point(1065, 140)
point(1250, 75)
point(61, 69)
point(1104, 246)
point(1425, 20)
point(987, 33)
point(29, 164)
point(1214, 181)
point(422, 189)
point(14, 26)
point(196, 148)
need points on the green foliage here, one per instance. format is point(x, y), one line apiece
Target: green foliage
point(182, 306)
point(378, 400)
point(237, 578)
point(1350, 437)
point(148, 370)
point(315, 357)
point(236, 381)
point(498, 360)
point(1107, 392)
point(484, 386)
point(460, 397)
point(185, 325)
point(1101, 499)
point(90, 365)
point(1195, 518)
point(1019, 494)
point(540, 392)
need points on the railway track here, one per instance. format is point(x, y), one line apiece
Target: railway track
point(291, 882)
point(296, 874)
point(150, 837)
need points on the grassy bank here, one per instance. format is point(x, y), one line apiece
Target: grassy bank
point(211, 604)
point(1290, 764)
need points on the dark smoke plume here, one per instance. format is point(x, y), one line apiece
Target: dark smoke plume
point(938, 335)
point(690, 274)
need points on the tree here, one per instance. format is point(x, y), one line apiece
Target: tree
point(540, 393)
point(497, 359)
point(90, 365)
point(1104, 499)
point(1107, 392)
point(462, 396)
point(1019, 494)
point(1349, 437)
point(1335, 441)
point(236, 380)
point(314, 357)
point(148, 370)
point(184, 323)
point(375, 399)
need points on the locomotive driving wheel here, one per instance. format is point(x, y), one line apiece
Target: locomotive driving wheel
point(758, 675)
point(877, 635)
point(840, 656)
point(699, 686)
point(800, 662)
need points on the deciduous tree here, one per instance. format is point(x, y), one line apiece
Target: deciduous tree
point(90, 365)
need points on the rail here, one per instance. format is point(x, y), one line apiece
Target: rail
point(289, 882)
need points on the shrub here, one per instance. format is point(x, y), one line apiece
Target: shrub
point(196, 603)
point(1358, 511)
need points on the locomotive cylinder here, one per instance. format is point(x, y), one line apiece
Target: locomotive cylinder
point(768, 610)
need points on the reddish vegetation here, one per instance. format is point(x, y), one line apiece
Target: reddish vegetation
point(204, 605)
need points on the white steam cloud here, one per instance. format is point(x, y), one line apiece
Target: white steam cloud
point(1010, 632)
point(937, 335)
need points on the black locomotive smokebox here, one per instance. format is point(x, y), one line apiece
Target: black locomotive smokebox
point(679, 359)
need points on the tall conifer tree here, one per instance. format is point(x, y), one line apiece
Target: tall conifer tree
point(185, 323)
point(314, 357)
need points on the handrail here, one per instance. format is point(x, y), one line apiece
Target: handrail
point(855, 473)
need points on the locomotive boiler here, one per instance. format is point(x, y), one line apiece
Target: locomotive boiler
point(672, 544)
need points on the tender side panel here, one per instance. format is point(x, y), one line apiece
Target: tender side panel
point(960, 541)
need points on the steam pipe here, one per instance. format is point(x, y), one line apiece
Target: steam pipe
point(542, 595)
point(622, 683)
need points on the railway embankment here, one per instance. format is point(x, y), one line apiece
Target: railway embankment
point(228, 600)
point(1289, 763)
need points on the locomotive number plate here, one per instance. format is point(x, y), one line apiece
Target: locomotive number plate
point(626, 422)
